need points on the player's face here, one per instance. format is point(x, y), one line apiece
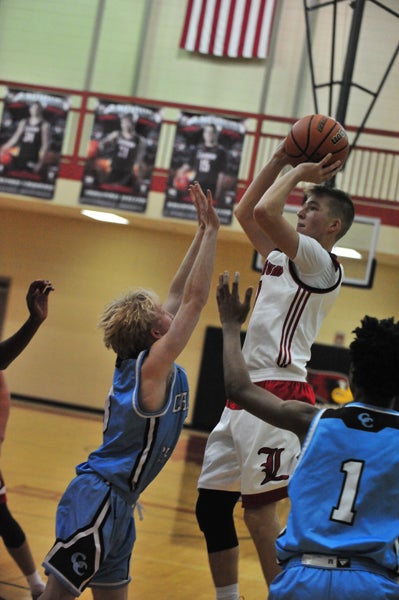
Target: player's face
point(209, 135)
point(127, 124)
point(35, 109)
point(314, 217)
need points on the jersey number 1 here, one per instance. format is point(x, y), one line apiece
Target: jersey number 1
point(345, 511)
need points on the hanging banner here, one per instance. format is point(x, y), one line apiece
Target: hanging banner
point(207, 149)
point(121, 156)
point(31, 136)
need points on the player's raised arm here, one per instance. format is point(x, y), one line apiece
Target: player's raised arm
point(244, 210)
point(15, 137)
point(4, 407)
point(293, 415)
point(169, 345)
point(37, 302)
point(175, 293)
point(268, 212)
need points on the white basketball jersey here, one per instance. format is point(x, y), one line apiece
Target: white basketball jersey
point(287, 315)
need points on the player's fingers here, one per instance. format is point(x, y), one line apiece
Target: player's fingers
point(224, 285)
point(221, 286)
point(236, 281)
point(248, 296)
point(333, 166)
point(41, 285)
point(323, 162)
point(49, 288)
point(226, 280)
point(191, 191)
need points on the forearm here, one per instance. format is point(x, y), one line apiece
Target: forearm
point(45, 141)
point(273, 200)
point(244, 211)
point(219, 186)
point(236, 375)
point(176, 289)
point(14, 345)
point(4, 406)
point(12, 141)
point(42, 153)
point(255, 191)
point(198, 282)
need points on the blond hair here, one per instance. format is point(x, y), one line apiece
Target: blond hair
point(127, 322)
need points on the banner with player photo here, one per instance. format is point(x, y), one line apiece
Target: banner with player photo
point(121, 156)
point(207, 149)
point(31, 136)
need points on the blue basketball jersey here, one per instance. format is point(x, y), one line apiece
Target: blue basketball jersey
point(345, 489)
point(137, 444)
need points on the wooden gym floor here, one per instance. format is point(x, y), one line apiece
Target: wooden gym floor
point(169, 561)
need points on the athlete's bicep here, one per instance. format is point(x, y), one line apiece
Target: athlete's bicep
point(162, 354)
point(281, 232)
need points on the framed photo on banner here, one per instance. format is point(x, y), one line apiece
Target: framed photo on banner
point(31, 137)
point(207, 149)
point(121, 156)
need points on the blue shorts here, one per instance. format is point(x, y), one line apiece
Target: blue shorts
point(95, 535)
point(303, 582)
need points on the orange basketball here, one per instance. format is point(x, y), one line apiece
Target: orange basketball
point(182, 179)
point(314, 136)
point(181, 182)
point(6, 158)
point(93, 149)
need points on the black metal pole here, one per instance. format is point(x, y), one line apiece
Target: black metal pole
point(350, 60)
point(358, 8)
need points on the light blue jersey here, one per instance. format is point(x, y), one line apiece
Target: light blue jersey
point(341, 539)
point(137, 444)
point(345, 489)
point(94, 525)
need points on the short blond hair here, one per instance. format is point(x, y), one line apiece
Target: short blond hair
point(127, 322)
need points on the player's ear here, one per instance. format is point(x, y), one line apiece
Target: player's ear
point(335, 226)
point(155, 333)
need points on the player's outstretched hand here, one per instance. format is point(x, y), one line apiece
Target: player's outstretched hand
point(37, 299)
point(231, 309)
point(319, 172)
point(207, 216)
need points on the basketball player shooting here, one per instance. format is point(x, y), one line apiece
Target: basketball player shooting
point(246, 457)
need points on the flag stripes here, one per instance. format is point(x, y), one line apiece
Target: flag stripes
point(233, 28)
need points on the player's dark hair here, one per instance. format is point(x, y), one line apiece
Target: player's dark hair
point(375, 359)
point(341, 204)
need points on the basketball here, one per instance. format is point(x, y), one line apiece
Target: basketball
point(182, 179)
point(314, 136)
point(6, 159)
point(181, 182)
point(93, 149)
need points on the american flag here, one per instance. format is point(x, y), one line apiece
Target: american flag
point(233, 28)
